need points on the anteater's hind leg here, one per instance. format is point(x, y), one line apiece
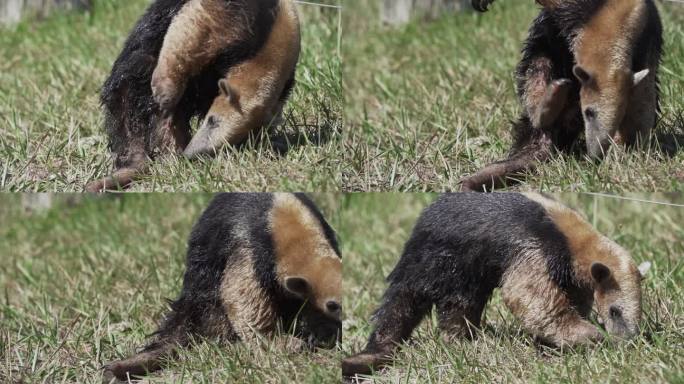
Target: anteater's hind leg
point(543, 308)
point(458, 319)
point(399, 314)
point(502, 173)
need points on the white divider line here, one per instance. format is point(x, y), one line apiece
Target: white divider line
point(319, 4)
point(634, 199)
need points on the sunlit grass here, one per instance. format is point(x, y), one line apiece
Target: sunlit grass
point(86, 282)
point(432, 102)
point(375, 228)
point(51, 135)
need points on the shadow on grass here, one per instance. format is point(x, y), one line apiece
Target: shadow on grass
point(670, 135)
point(305, 134)
point(302, 132)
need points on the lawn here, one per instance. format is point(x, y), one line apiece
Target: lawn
point(51, 125)
point(374, 228)
point(431, 102)
point(84, 283)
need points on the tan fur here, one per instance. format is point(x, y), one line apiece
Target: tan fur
point(587, 246)
point(542, 307)
point(301, 249)
point(200, 30)
point(249, 309)
point(536, 88)
point(259, 82)
point(604, 49)
point(256, 87)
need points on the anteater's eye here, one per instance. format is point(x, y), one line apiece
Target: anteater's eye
point(615, 312)
point(333, 306)
point(590, 113)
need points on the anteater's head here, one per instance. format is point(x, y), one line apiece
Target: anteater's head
point(308, 267)
point(617, 290)
point(603, 48)
point(234, 113)
point(602, 265)
point(604, 98)
point(319, 321)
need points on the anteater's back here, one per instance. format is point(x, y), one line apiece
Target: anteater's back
point(463, 242)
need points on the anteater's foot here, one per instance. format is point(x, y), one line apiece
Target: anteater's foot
point(552, 103)
point(172, 135)
point(363, 364)
point(166, 92)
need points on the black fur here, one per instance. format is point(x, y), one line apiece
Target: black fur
point(456, 256)
point(212, 247)
point(464, 241)
point(232, 222)
point(481, 5)
point(546, 39)
point(550, 37)
point(131, 114)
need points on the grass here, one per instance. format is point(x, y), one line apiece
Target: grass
point(84, 283)
point(374, 228)
point(51, 136)
point(431, 102)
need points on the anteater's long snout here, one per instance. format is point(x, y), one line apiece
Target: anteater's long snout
point(200, 145)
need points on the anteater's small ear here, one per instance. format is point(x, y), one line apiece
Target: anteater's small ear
point(226, 89)
point(581, 74)
point(299, 286)
point(599, 272)
point(639, 77)
point(644, 268)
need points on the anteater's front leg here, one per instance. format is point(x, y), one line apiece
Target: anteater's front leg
point(198, 34)
point(173, 131)
point(502, 173)
point(543, 307)
point(249, 309)
point(543, 97)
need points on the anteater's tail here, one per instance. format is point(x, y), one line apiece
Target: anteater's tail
point(119, 180)
point(527, 153)
point(148, 360)
point(173, 334)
